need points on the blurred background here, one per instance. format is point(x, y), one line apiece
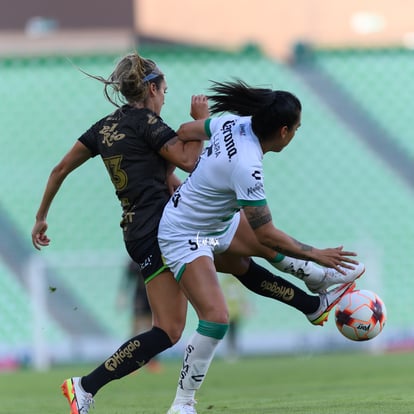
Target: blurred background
point(347, 178)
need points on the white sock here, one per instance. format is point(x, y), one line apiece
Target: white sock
point(197, 359)
point(302, 269)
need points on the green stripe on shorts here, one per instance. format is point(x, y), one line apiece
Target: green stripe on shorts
point(155, 274)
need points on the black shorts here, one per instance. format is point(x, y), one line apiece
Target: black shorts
point(147, 254)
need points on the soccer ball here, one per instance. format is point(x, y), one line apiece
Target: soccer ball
point(360, 315)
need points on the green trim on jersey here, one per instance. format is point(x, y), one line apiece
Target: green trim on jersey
point(228, 218)
point(252, 203)
point(155, 274)
point(207, 129)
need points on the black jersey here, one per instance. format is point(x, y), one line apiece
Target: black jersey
point(128, 141)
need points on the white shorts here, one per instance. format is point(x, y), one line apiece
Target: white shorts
point(179, 247)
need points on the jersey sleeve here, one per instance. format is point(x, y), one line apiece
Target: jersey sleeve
point(158, 132)
point(249, 186)
point(90, 139)
point(213, 125)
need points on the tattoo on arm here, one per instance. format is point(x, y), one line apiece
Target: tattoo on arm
point(258, 216)
point(169, 143)
point(302, 246)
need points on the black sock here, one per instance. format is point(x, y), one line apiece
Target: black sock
point(132, 355)
point(259, 280)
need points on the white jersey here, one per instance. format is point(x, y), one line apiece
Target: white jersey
point(228, 176)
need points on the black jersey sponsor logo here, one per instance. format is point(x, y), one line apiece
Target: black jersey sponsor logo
point(257, 188)
point(243, 130)
point(159, 130)
point(257, 175)
point(110, 134)
point(176, 198)
point(228, 138)
point(152, 119)
point(216, 147)
point(208, 150)
point(127, 217)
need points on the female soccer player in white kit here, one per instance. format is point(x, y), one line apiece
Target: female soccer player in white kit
point(203, 219)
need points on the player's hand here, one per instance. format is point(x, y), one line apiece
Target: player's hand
point(336, 258)
point(199, 107)
point(39, 237)
point(173, 182)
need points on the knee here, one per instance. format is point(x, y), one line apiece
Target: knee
point(216, 315)
point(175, 335)
point(223, 318)
point(174, 331)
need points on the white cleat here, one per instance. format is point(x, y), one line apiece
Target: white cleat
point(333, 277)
point(79, 400)
point(187, 408)
point(328, 301)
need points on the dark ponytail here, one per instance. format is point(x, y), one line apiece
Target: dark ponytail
point(270, 110)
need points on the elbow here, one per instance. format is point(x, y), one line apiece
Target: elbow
point(264, 237)
point(59, 173)
point(182, 132)
point(187, 165)
point(267, 241)
point(189, 156)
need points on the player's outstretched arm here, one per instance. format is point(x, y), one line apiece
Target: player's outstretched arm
point(78, 154)
point(261, 221)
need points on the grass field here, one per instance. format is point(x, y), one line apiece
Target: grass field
point(322, 384)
